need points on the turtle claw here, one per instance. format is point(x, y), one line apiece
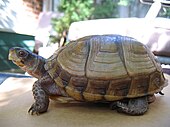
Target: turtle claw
point(161, 93)
point(33, 110)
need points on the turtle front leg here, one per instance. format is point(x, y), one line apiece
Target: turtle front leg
point(41, 99)
point(135, 106)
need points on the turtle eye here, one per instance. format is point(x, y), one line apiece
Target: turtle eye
point(22, 53)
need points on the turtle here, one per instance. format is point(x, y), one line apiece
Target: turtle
point(112, 68)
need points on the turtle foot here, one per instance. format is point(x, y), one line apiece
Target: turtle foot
point(37, 108)
point(137, 106)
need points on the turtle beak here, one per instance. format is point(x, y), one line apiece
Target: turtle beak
point(11, 53)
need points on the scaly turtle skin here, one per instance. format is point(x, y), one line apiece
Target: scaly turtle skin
point(104, 68)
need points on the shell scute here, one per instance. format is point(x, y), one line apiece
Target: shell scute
point(97, 87)
point(79, 83)
point(104, 60)
point(65, 76)
point(73, 58)
point(139, 86)
point(137, 60)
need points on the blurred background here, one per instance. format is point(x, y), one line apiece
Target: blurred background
point(42, 26)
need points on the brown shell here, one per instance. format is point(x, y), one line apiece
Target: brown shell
point(106, 68)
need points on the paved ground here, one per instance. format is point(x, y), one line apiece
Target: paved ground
point(16, 97)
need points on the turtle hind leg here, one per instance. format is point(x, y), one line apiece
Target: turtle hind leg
point(135, 106)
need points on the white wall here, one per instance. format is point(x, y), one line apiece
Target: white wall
point(14, 17)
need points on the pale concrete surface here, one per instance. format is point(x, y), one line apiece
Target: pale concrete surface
point(16, 98)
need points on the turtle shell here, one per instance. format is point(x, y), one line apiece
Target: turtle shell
point(106, 68)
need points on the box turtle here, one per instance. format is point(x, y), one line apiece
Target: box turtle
point(99, 68)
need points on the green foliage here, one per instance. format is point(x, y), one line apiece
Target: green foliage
point(74, 10)
point(106, 9)
point(125, 2)
point(165, 12)
point(77, 10)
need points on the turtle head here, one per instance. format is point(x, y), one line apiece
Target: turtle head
point(19, 56)
point(27, 61)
